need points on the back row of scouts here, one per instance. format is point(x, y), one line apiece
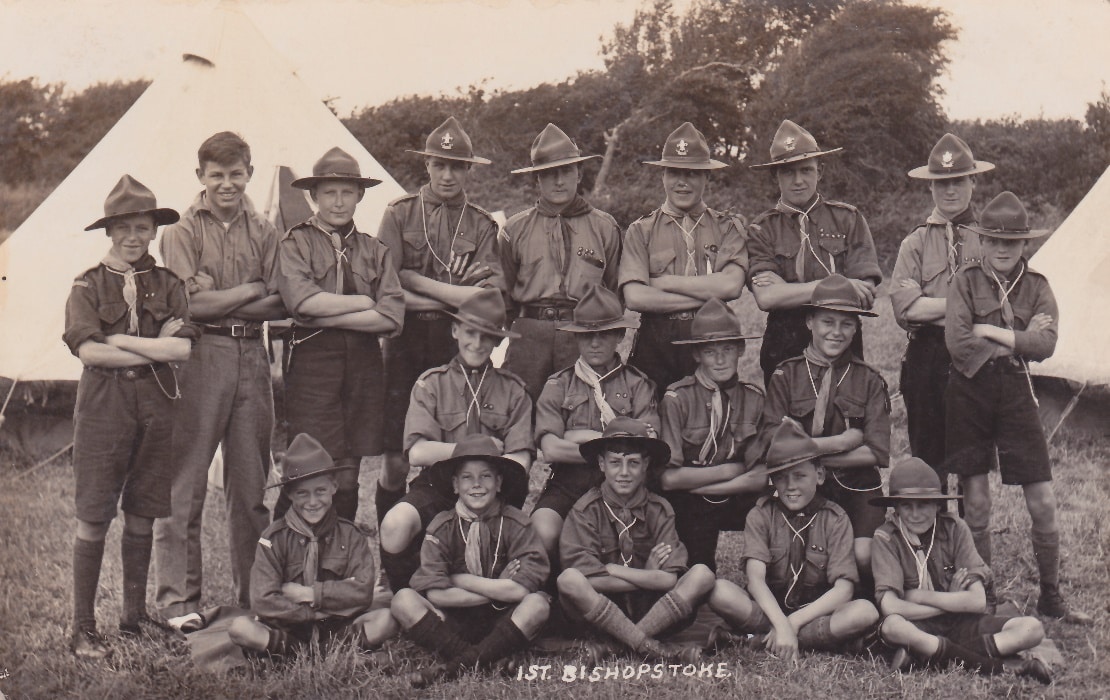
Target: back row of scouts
point(434, 285)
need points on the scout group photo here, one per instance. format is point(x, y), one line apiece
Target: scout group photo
point(680, 349)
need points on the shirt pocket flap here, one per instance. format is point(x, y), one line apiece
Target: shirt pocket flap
point(834, 244)
point(415, 239)
point(495, 422)
point(112, 311)
point(336, 564)
point(788, 245)
point(850, 406)
point(695, 435)
point(573, 401)
point(660, 260)
point(985, 304)
point(451, 422)
point(817, 566)
point(463, 246)
point(158, 309)
point(802, 406)
point(931, 268)
point(744, 429)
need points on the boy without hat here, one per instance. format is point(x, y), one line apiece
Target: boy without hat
point(800, 241)
point(313, 574)
point(553, 253)
point(444, 249)
point(1001, 315)
point(710, 422)
point(226, 253)
point(624, 566)
point(929, 583)
point(802, 600)
point(342, 290)
point(678, 257)
point(474, 599)
point(127, 321)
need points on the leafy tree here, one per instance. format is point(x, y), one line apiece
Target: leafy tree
point(26, 109)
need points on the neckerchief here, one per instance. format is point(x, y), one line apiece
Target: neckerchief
point(825, 393)
point(920, 552)
point(338, 239)
point(1005, 291)
point(624, 513)
point(559, 245)
point(313, 533)
point(455, 265)
point(118, 266)
point(799, 523)
point(803, 222)
point(720, 413)
point(478, 537)
point(955, 242)
point(688, 224)
point(592, 379)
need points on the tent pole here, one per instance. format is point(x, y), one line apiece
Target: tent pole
point(4, 408)
point(1067, 410)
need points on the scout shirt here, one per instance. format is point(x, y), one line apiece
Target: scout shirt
point(589, 538)
point(444, 408)
point(567, 402)
point(655, 245)
point(533, 246)
point(443, 552)
point(976, 298)
point(858, 400)
point(307, 266)
point(344, 585)
point(685, 412)
point(923, 257)
point(437, 240)
point(894, 565)
point(829, 553)
point(245, 251)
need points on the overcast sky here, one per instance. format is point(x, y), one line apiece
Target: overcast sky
point(1013, 57)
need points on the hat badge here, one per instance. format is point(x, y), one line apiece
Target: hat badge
point(682, 147)
point(946, 159)
point(446, 141)
point(789, 143)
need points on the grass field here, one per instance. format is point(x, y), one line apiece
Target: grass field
point(35, 580)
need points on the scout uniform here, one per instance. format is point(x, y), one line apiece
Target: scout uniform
point(706, 424)
point(671, 242)
point(577, 398)
point(551, 259)
point(123, 419)
point(798, 245)
point(930, 256)
point(333, 376)
point(849, 394)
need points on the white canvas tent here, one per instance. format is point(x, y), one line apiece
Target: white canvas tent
point(229, 78)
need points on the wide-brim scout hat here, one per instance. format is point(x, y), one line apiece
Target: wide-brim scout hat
point(336, 164)
point(598, 310)
point(305, 459)
point(791, 144)
point(912, 480)
point(552, 148)
point(950, 158)
point(686, 148)
point(514, 478)
point(714, 322)
point(627, 430)
point(130, 197)
point(449, 141)
point(485, 312)
point(837, 293)
point(1005, 217)
point(791, 446)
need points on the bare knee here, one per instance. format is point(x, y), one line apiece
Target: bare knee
point(1030, 631)
point(896, 630)
point(573, 584)
point(399, 526)
point(92, 532)
point(408, 607)
point(245, 632)
point(699, 580)
point(977, 501)
point(862, 549)
point(1040, 500)
point(548, 526)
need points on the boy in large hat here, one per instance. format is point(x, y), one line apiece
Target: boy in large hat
point(342, 290)
point(444, 249)
point(929, 583)
point(578, 402)
point(553, 253)
point(313, 574)
point(624, 566)
point(226, 253)
point(678, 257)
point(466, 396)
point(126, 320)
point(474, 599)
point(711, 422)
point(1000, 316)
point(928, 260)
point(842, 403)
point(799, 242)
point(798, 558)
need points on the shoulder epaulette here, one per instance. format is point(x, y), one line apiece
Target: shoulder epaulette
point(605, 215)
point(428, 373)
point(483, 212)
point(509, 374)
point(440, 520)
point(587, 498)
point(274, 527)
point(753, 387)
point(560, 373)
point(516, 515)
point(631, 369)
point(764, 215)
point(661, 502)
point(82, 278)
point(841, 205)
point(404, 198)
point(685, 381)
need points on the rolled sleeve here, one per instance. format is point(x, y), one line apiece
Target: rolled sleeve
point(840, 547)
point(672, 415)
point(82, 316)
point(757, 536)
point(435, 566)
point(295, 279)
point(580, 544)
point(549, 410)
point(862, 262)
point(886, 567)
point(179, 251)
point(1039, 345)
point(761, 251)
point(907, 267)
point(526, 548)
point(634, 256)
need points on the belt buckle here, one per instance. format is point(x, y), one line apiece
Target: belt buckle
point(238, 330)
point(550, 314)
point(130, 373)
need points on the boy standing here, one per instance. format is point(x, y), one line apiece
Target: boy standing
point(126, 319)
point(226, 254)
point(799, 562)
point(474, 599)
point(1000, 316)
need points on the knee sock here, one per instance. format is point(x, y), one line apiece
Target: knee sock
point(1046, 549)
point(818, 636)
point(399, 567)
point(986, 646)
point(982, 539)
point(280, 642)
point(87, 557)
point(668, 610)
point(608, 618)
point(135, 553)
point(437, 636)
point(949, 652)
point(502, 640)
point(345, 502)
point(865, 590)
point(384, 499)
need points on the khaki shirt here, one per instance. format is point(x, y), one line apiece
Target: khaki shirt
point(685, 412)
point(894, 565)
point(655, 246)
point(923, 258)
point(567, 402)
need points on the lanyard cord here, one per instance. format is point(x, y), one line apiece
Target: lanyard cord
point(496, 546)
point(796, 573)
point(625, 527)
point(812, 383)
point(474, 402)
point(432, 248)
point(691, 242)
point(922, 565)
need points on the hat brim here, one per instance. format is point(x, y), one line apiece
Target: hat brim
point(795, 158)
point(488, 330)
point(514, 478)
point(476, 160)
point(1007, 235)
point(705, 341)
point(893, 500)
point(617, 324)
point(657, 450)
point(923, 173)
point(795, 461)
point(553, 164)
point(163, 216)
point(843, 308)
point(687, 165)
point(319, 472)
point(307, 183)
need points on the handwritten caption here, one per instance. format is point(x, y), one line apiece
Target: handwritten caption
point(613, 672)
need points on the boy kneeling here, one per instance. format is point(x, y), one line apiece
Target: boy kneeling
point(474, 598)
point(798, 558)
point(313, 572)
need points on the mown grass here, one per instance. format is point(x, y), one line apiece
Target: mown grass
point(35, 551)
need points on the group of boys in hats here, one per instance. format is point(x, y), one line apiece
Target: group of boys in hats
point(390, 353)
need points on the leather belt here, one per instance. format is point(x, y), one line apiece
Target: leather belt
point(132, 373)
point(547, 313)
point(674, 316)
point(429, 315)
point(238, 330)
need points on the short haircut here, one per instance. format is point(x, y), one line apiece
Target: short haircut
point(224, 148)
point(618, 446)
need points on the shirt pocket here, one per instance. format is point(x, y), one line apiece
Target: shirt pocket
point(986, 307)
point(660, 262)
point(693, 437)
point(158, 309)
point(576, 408)
point(816, 571)
point(832, 245)
point(462, 251)
point(494, 422)
point(111, 312)
point(453, 425)
point(801, 406)
point(415, 249)
point(335, 564)
point(365, 271)
point(787, 244)
point(931, 269)
point(852, 409)
point(583, 275)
